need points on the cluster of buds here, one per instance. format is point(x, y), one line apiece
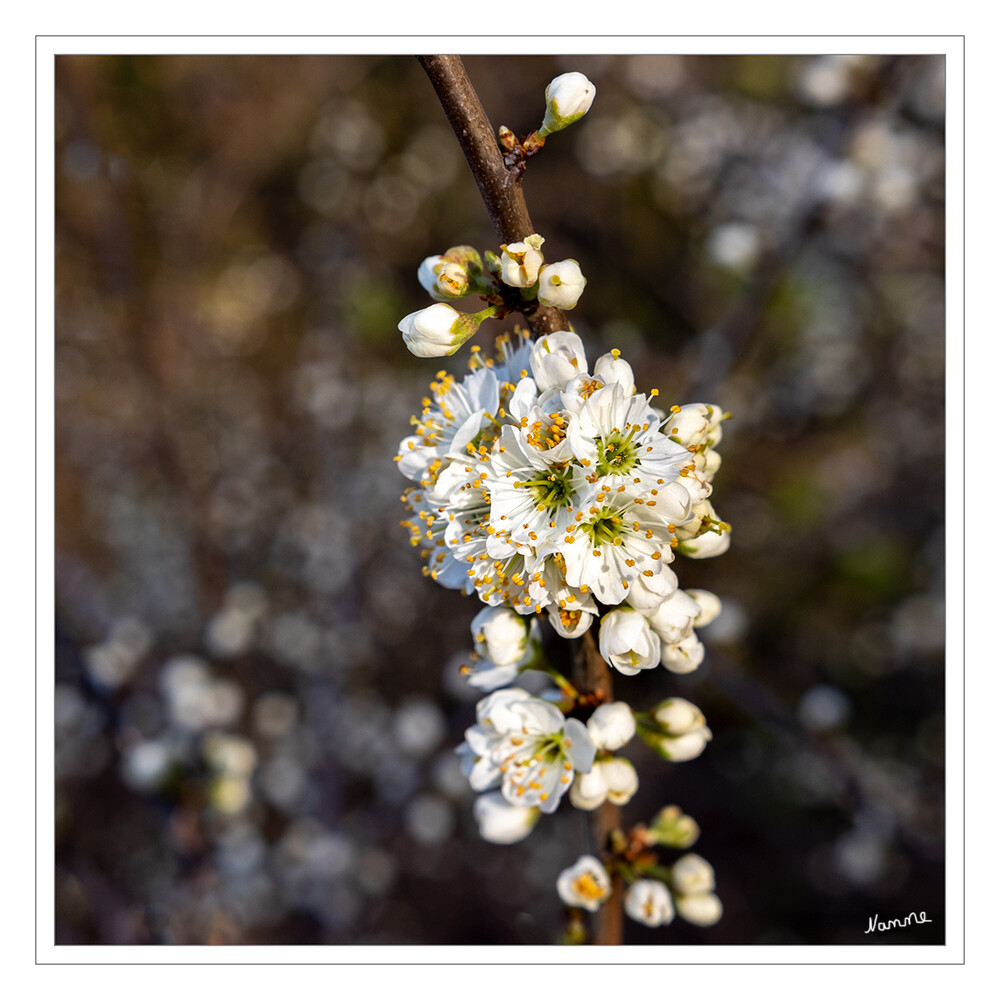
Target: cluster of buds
point(655, 893)
point(559, 495)
point(510, 280)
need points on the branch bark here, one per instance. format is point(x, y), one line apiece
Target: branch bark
point(504, 199)
point(500, 188)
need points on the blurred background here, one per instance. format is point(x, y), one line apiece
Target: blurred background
point(257, 696)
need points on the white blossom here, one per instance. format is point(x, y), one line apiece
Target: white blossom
point(709, 607)
point(611, 726)
point(627, 642)
point(505, 637)
point(585, 884)
point(707, 545)
point(673, 620)
point(527, 747)
point(560, 284)
point(648, 902)
point(683, 657)
point(556, 358)
point(613, 779)
point(500, 822)
point(571, 623)
point(521, 261)
point(612, 367)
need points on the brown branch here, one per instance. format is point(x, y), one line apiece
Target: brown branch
point(501, 191)
point(499, 187)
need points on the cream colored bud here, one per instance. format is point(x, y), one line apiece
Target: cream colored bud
point(567, 99)
point(561, 284)
point(521, 262)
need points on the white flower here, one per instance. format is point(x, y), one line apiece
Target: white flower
point(703, 909)
point(695, 425)
point(567, 99)
point(556, 358)
point(526, 746)
point(500, 822)
point(706, 545)
point(684, 734)
point(435, 331)
point(614, 779)
point(709, 607)
point(683, 657)
point(673, 620)
point(485, 675)
point(570, 623)
point(561, 284)
point(627, 642)
point(502, 635)
point(647, 593)
point(692, 874)
point(648, 902)
point(586, 884)
point(520, 262)
point(613, 367)
point(611, 726)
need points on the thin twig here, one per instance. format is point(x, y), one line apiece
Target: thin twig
point(499, 187)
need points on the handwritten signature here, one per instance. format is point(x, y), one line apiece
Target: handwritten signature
point(874, 924)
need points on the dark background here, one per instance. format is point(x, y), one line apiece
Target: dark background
point(256, 700)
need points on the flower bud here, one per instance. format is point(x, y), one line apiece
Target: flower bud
point(692, 874)
point(556, 358)
point(695, 424)
point(673, 828)
point(709, 607)
point(681, 748)
point(586, 884)
point(520, 262)
point(648, 902)
point(427, 275)
point(702, 909)
point(674, 618)
point(485, 675)
point(437, 330)
point(614, 368)
point(627, 642)
point(501, 635)
point(678, 716)
point(561, 284)
point(621, 778)
point(500, 822)
point(647, 593)
point(713, 542)
point(567, 99)
point(611, 726)
point(684, 656)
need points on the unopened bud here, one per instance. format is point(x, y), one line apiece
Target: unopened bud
point(560, 284)
point(520, 262)
point(438, 330)
point(567, 99)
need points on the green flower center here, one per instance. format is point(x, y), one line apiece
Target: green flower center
point(616, 454)
point(551, 491)
point(605, 528)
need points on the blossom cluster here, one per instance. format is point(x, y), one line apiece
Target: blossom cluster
point(559, 493)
